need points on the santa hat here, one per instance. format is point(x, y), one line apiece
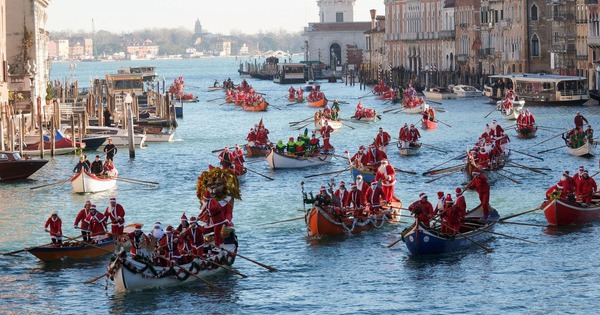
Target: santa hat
point(559, 186)
point(323, 188)
point(113, 199)
point(422, 195)
point(342, 183)
point(169, 229)
point(53, 212)
point(88, 202)
point(353, 185)
point(157, 225)
point(291, 139)
point(362, 147)
point(184, 217)
point(449, 199)
point(138, 227)
point(493, 122)
point(93, 207)
point(581, 168)
point(458, 191)
point(193, 220)
point(566, 172)
point(440, 194)
point(380, 128)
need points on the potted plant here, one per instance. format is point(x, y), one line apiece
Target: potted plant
point(48, 93)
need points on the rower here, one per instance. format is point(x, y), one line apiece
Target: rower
point(55, 225)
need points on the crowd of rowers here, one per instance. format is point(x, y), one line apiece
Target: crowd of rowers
point(233, 160)
point(525, 120)
point(411, 99)
point(489, 150)
point(329, 113)
point(295, 95)
point(577, 137)
point(508, 102)
point(367, 159)
point(580, 187)
point(363, 112)
point(315, 94)
point(305, 146)
point(97, 167)
point(244, 94)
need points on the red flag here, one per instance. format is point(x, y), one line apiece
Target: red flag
point(260, 124)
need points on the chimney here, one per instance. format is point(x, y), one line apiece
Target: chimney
point(373, 18)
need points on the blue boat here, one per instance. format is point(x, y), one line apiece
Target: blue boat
point(429, 241)
point(367, 176)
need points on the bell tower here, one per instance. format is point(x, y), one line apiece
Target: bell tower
point(336, 11)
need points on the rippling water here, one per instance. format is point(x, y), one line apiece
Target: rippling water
point(348, 275)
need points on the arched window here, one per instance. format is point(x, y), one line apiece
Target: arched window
point(535, 46)
point(534, 12)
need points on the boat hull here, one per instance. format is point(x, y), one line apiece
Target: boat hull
point(586, 149)
point(160, 137)
point(421, 240)
point(254, 151)
point(12, 169)
point(320, 103)
point(526, 132)
point(280, 161)
point(428, 124)
point(416, 109)
point(410, 150)
point(49, 254)
point(84, 182)
point(335, 124)
point(367, 176)
point(562, 212)
point(258, 108)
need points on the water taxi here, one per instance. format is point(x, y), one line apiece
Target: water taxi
point(539, 88)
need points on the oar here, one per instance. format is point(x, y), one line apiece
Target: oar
point(390, 110)
point(508, 177)
point(454, 158)
point(390, 245)
point(519, 214)
point(219, 150)
point(434, 102)
point(96, 279)
point(441, 110)
point(493, 110)
point(347, 125)
point(223, 103)
point(55, 183)
point(301, 121)
point(444, 170)
point(487, 249)
point(137, 181)
point(28, 248)
point(548, 139)
point(216, 264)
point(562, 146)
point(192, 274)
point(553, 128)
point(496, 233)
point(443, 123)
point(214, 99)
point(403, 171)
point(288, 220)
point(251, 260)
point(518, 223)
point(533, 169)
point(365, 95)
point(433, 180)
point(328, 173)
point(433, 148)
point(303, 126)
point(257, 173)
point(533, 156)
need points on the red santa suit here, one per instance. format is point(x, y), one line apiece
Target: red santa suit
point(83, 213)
point(326, 131)
point(556, 188)
point(116, 215)
point(422, 210)
point(480, 184)
point(217, 211)
point(238, 161)
point(403, 134)
point(97, 223)
point(496, 130)
point(382, 139)
point(587, 187)
point(387, 175)
point(251, 137)
point(343, 196)
point(374, 196)
point(361, 185)
point(483, 158)
point(194, 238)
point(375, 156)
point(226, 159)
point(55, 225)
point(169, 247)
point(139, 241)
point(414, 134)
point(355, 198)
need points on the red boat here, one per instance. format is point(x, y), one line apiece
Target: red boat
point(261, 107)
point(563, 212)
point(318, 103)
point(428, 124)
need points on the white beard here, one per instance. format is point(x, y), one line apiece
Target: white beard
point(381, 169)
point(158, 233)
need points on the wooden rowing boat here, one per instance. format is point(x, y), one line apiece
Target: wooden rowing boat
point(279, 161)
point(587, 149)
point(563, 212)
point(85, 182)
point(256, 151)
point(411, 149)
point(415, 109)
point(526, 131)
point(321, 221)
point(335, 124)
point(73, 250)
point(423, 240)
point(261, 107)
point(318, 103)
point(368, 176)
point(140, 273)
point(428, 124)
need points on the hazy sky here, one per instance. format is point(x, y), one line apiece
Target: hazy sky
point(216, 16)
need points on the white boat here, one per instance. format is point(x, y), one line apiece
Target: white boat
point(439, 94)
point(335, 124)
point(463, 91)
point(119, 136)
point(57, 151)
point(279, 161)
point(517, 105)
point(416, 109)
point(540, 88)
point(411, 149)
point(160, 136)
point(130, 274)
point(587, 149)
point(84, 182)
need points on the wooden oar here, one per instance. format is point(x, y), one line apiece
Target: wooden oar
point(548, 139)
point(441, 110)
point(533, 156)
point(214, 99)
point(535, 170)
point(327, 173)
point(55, 183)
point(445, 175)
point(390, 110)
point(434, 102)
point(443, 123)
point(403, 171)
point(301, 121)
point(519, 214)
point(518, 223)
point(444, 170)
point(454, 158)
point(433, 148)
point(365, 95)
point(288, 220)
point(496, 233)
point(508, 177)
point(251, 260)
point(223, 103)
point(96, 279)
point(562, 146)
point(136, 181)
point(493, 110)
point(257, 173)
point(487, 249)
point(390, 245)
point(192, 274)
point(347, 125)
point(216, 264)
point(28, 248)
point(219, 150)
point(303, 126)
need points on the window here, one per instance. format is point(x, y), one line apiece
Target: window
point(339, 17)
point(535, 46)
point(534, 13)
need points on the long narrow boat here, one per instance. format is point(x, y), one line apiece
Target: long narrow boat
point(261, 107)
point(526, 132)
point(415, 109)
point(318, 103)
point(279, 161)
point(412, 149)
point(368, 176)
point(563, 212)
point(323, 222)
point(256, 151)
point(587, 149)
point(422, 240)
point(13, 166)
point(84, 182)
point(428, 124)
point(364, 118)
point(140, 273)
point(511, 114)
point(73, 250)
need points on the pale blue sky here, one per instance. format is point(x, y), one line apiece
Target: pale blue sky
point(247, 16)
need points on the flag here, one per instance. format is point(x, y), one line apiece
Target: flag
point(260, 124)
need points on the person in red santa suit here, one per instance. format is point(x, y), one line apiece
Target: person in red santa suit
point(54, 227)
point(217, 212)
point(556, 191)
point(291, 93)
point(356, 200)
point(404, 136)
point(374, 157)
point(422, 209)
point(326, 131)
point(382, 139)
point(586, 189)
point(386, 174)
point(447, 217)
point(361, 184)
point(83, 213)
point(483, 158)
point(97, 223)
point(251, 137)
point(481, 185)
point(139, 241)
point(374, 197)
point(439, 207)
point(194, 237)
point(496, 130)
point(359, 160)
point(184, 225)
point(238, 160)
point(460, 205)
point(225, 158)
point(342, 195)
point(168, 248)
point(116, 215)
point(414, 134)
point(569, 185)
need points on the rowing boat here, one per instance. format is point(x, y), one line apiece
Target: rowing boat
point(335, 124)
point(261, 107)
point(526, 131)
point(587, 149)
point(278, 161)
point(423, 240)
point(411, 149)
point(85, 182)
point(368, 176)
point(318, 103)
point(256, 151)
point(428, 124)
point(73, 250)
point(563, 212)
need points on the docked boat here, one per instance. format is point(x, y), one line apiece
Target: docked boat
point(526, 131)
point(587, 149)
point(73, 250)
point(119, 136)
point(563, 212)
point(463, 91)
point(368, 176)
point(437, 93)
point(412, 149)
point(279, 161)
point(84, 182)
point(322, 221)
point(92, 143)
point(428, 124)
point(13, 166)
point(318, 103)
point(423, 240)
point(140, 273)
point(260, 107)
point(57, 151)
point(335, 124)
point(253, 151)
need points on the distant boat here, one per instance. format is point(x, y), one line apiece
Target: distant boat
point(13, 166)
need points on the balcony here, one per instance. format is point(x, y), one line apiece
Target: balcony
point(486, 52)
point(408, 36)
point(447, 34)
